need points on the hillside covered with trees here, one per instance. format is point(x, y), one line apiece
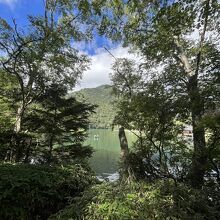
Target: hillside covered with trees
point(44, 169)
point(103, 97)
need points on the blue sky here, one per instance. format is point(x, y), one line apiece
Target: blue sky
point(101, 61)
point(19, 9)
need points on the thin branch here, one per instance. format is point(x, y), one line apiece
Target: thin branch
point(110, 53)
point(206, 11)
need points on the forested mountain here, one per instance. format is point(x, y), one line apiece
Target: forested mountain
point(104, 99)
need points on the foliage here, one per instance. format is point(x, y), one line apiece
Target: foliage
point(176, 82)
point(159, 200)
point(37, 57)
point(212, 124)
point(60, 125)
point(55, 128)
point(38, 124)
point(8, 86)
point(150, 109)
point(164, 33)
point(35, 192)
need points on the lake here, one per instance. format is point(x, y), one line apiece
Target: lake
point(107, 149)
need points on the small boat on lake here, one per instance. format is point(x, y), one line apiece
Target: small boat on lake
point(96, 137)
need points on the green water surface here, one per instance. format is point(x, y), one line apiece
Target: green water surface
point(107, 149)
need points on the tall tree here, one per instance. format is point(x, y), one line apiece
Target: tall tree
point(151, 110)
point(43, 53)
point(176, 35)
point(60, 124)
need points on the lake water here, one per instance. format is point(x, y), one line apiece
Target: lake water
point(107, 149)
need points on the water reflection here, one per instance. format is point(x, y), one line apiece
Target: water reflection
point(107, 149)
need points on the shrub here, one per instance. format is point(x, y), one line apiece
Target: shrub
point(141, 201)
point(35, 192)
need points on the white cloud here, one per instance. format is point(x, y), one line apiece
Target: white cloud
point(10, 3)
point(100, 68)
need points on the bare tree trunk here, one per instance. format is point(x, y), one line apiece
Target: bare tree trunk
point(127, 174)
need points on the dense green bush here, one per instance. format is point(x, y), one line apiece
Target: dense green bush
point(161, 200)
point(34, 192)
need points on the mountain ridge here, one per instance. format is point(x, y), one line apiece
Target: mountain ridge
point(104, 99)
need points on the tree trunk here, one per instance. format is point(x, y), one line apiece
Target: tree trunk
point(127, 170)
point(19, 150)
point(50, 148)
point(27, 153)
point(199, 160)
point(19, 116)
point(123, 143)
point(199, 156)
point(16, 138)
